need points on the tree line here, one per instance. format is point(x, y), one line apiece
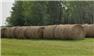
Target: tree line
point(26, 13)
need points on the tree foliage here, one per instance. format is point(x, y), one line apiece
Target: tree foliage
point(26, 13)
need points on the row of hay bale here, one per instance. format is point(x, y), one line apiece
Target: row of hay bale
point(74, 31)
point(24, 32)
point(64, 32)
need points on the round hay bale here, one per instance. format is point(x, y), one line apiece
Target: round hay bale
point(48, 32)
point(89, 29)
point(3, 29)
point(20, 32)
point(69, 32)
point(7, 32)
point(12, 34)
point(34, 32)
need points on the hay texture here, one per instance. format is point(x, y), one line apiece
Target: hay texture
point(3, 30)
point(69, 32)
point(34, 32)
point(89, 29)
point(12, 34)
point(48, 32)
point(20, 32)
point(7, 32)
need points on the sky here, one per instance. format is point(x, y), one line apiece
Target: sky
point(5, 8)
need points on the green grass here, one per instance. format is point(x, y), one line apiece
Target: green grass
point(15, 47)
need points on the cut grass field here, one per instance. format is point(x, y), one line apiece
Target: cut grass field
point(15, 47)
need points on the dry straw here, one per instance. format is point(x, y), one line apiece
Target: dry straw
point(7, 32)
point(69, 32)
point(48, 32)
point(34, 32)
point(89, 29)
point(11, 33)
point(3, 30)
point(19, 32)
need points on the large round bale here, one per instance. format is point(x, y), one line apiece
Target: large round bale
point(89, 29)
point(19, 32)
point(7, 32)
point(12, 34)
point(48, 32)
point(69, 32)
point(3, 30)
point(34, 32)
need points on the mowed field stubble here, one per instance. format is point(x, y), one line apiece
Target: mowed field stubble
point(18, 47)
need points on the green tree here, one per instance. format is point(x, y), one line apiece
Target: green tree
point(55, 12)
point(79, 12)
point(17, 18)
point(51, 12)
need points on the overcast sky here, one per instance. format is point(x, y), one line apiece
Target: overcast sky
point(5, 8)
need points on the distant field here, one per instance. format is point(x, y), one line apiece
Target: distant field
point(15, 47)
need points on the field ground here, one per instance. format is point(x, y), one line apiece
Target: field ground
point(15, 47)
